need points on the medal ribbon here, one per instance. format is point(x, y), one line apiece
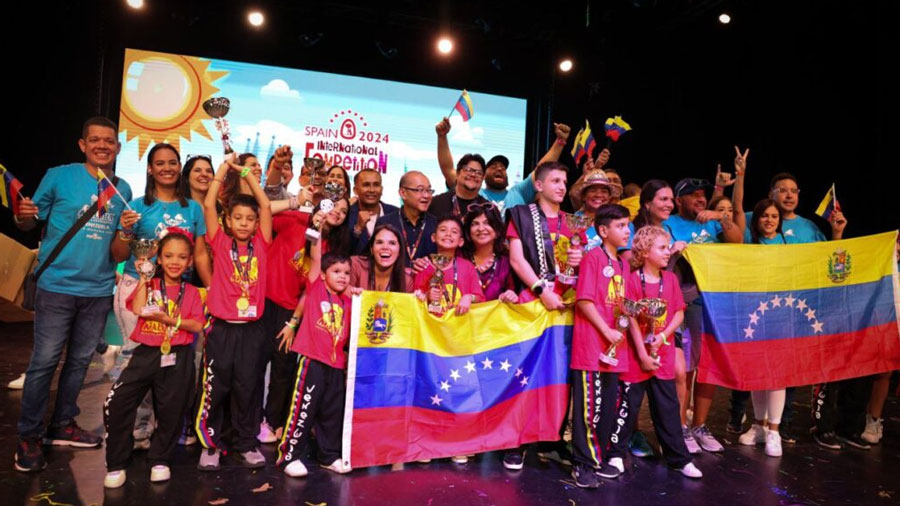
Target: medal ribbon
point(243, 270)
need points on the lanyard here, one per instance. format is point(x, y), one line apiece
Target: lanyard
point(644, 284)
point(164, 298)
point(243, 271)
point(490, 270)
point(334, 330)
point(411, 252)
point(455, 211)
point(610, 260)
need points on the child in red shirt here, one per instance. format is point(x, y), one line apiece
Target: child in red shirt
point(318, 398)
point(462, 286)
point(600, 326)
point(234, 347)
point(654, 375)
point(163, 362)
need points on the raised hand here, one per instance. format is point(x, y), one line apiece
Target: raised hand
point(128, 219)
point(602, 159)
point(562, 131)
point(740, 161)
point(283, 154)
point(443, 128)
point(723, 178)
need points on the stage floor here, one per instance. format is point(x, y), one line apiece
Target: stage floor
point(806, 474)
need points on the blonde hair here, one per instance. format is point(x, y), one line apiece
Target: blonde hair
point(643, 241)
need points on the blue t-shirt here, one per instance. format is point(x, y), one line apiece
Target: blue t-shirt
point(521, 193)
point(692, 231)
point(797, 230)
point(84, 267)
point(160, 215)
point(594, 240)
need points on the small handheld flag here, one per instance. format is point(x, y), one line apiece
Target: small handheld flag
point(10, 190)
point(615, 127)
point(464, 106)
point(584, 143)
point(105, 192)
point(829, 204)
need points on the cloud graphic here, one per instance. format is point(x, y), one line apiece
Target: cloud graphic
point(402, 151)
point(462, 133)
point(279, 88)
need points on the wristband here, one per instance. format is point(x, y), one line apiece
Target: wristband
point(720, 187)
point(126, 236)
point(290, 324)
point(293, 203)
point(245, 171)
point(561, 141)
point(222, 181)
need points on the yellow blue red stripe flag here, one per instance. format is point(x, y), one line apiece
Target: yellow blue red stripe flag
point(828, 204)
point(464, 106)
point(10, 189)
point(798, 314)
point(422, 387)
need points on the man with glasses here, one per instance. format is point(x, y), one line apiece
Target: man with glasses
point(413, 220)
point(367, 209)
point(470, 170)
point(835, 404)
point(696, 224)
point(496, 180)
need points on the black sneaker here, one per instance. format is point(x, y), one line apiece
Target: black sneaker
point(734, 428)
point(514, 459)
point(72, 435)
point(855, 441)
point(787, 434)
point(607, 471)
point(29, 455)
point(639, 446)
point(828, 440)
point(584, 477)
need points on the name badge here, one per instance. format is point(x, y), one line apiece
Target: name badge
point(250, 312)
point(167, 360)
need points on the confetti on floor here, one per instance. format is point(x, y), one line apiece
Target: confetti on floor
point(262, 488)
point(218, 502)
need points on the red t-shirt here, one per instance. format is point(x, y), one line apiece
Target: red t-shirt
point(288, 263)
point(315, 337)
point(601, 286)
point(674, 303)
point(152, 333)
point(225, 289)
point(468, 283)
point(561, 241)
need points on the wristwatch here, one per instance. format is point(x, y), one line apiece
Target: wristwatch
point(538, 287)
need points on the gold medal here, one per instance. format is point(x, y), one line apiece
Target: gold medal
point(166, 346)
point(243, 303)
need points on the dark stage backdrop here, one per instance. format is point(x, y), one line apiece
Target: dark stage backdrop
point(809, 86)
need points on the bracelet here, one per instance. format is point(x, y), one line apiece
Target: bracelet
point(293, 203)
point(290, 324)
point(219, 180)
point(245, 171)
point(17, 220)
point(126, 236)
point(561, 141)
point(720, 187)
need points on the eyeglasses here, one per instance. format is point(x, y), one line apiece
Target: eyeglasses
point(470, 170)
point(785, 191)
point(418, 190)
point(478, 206)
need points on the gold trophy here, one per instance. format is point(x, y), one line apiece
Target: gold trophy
point(217, 108)
point(440, 263)
point(331, 193)
point(651, 311)
point(577, 223)
point(629, 308)
point(313, 173)
point(144, 250)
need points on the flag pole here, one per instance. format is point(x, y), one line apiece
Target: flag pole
point(124, 201)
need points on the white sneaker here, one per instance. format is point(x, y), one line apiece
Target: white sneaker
point(160, 473)
point(18, 383)
point(114, 479)
point(874, 429)
point(108, 359)
point(689, 441)
point(754, 436)
point(618, 464)
point(266, 434)
point(773, 443)
point(338, 467)
point(691, 471)
point(459, 459)
point(142, 444)
point(295, 469)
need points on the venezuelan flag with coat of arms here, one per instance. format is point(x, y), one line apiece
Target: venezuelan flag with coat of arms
point(423, 387)
point(777, 316)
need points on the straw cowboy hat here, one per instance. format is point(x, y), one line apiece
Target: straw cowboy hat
point(594, 177)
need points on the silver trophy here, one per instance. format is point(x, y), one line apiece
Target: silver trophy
point(577, 225)
point(217, 108)
point(331, 193)
point(629, 308)
point(144, 250)
point(313, 173)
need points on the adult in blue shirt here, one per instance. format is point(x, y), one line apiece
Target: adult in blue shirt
point(413, 219)
point(784, 191)
point(695, 224)
point(74, 293)
point(496, 180)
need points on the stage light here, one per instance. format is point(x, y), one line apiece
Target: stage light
point(445, 45)
point(135, 4)
point(724, 19)
point(256, 18)
point(565, 65)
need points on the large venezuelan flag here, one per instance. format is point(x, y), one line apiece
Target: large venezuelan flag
point(797, 314)
point(422, 387)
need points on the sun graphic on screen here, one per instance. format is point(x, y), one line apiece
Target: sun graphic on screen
point(162, 97)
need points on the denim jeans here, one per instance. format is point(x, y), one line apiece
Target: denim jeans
point(61, 322)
